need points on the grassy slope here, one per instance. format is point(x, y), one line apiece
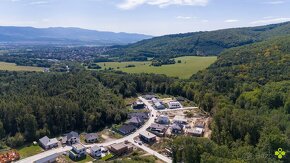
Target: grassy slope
point(13, 67)
point(189, 65)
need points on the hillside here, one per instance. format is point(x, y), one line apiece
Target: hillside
point(58, 35)
point(201, 43)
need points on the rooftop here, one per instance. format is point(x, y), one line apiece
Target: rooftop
point(78, 146)
point(147, 134)
point(118, 146)
point(180, 118)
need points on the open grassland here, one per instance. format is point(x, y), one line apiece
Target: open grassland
point(189, 65)
point(30, 150)
point(14, 67)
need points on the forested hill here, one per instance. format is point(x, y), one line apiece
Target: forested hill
point(201, 43)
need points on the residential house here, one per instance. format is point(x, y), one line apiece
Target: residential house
point(176, 128)
point(180, 119)
point(120, 148)
point(143, 115)
point(149, 97)
point(174, 105)
point(91, 138)
point(138, 105)
point(159, 106)
point(136, 121)
point(96, 151)
point(71, 138)
point(47, 143)
point(198, 132)
point(147, 137)
point(162, 119)
point(78, 151)
point(127, 129)
point(158, 129)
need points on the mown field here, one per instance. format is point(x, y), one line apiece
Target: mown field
point(14, 67)
point(189, 65)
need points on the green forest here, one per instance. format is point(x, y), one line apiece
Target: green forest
point(199, 43)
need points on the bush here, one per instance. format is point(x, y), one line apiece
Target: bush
point(16, 141)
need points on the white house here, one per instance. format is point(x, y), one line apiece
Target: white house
point(174, 105)
point(96, 151)
point(180, 119)
point(78, 151)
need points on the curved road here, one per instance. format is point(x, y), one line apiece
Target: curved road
point(129, 138)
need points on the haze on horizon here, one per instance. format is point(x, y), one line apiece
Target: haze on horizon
point(153, 17)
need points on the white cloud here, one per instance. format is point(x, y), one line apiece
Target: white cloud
point(185, 17)
point(267, 21)
point(130, 4)
point(231, 21)
point(38, 2)
point(274, 2)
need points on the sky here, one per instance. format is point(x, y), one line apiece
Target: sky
point(153, 17)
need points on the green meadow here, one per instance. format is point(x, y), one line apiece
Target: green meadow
point(189, 65)
point(14, 67)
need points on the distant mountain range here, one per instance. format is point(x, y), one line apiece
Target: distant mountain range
point(201, 43)
point(59, 35)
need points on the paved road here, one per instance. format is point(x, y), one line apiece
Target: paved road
point(185, 108)
point(129, 138)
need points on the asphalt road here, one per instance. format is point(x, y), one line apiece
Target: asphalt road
point(129, 138)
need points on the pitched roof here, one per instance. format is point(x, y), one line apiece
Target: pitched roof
point(46, 141)
point(118, 146)
point(157, 126)
point(140, 115)
point(176, 127)
point(127, 129)
point(136, 120)
point(91, 136)
point(72, 134)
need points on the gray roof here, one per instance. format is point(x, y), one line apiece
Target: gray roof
point(140, 115)
point(176, 127)
point(147, 135)
point(125, 129)
point(95, 148)
point(158, 126)
point(46, 141)
point(136, 120)
point(91, 136)
point(78, 146)
point(72, 134)
point(48, 158)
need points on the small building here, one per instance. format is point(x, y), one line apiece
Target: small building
point(176, 128)
point(138, 105)
point(70, 138)
point(96, 151)
point(78, 151)
point(49, 159)
point(147, 137)
point(174, 105)
point(159, 106)
point(47, 143)
point(91, 138)
point(120, 148)
point(180, 119)
point(143, 115)
point(199, 123)
point(158, 129)
point(149, 97)
point(127, 129)
point(163, 119)
point(136, 121)
point(198, 132)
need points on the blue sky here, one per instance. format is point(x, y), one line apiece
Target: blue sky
point(155, 17)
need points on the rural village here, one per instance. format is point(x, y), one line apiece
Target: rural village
point(151, 124)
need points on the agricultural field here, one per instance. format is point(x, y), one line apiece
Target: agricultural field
point(189, 65)
point(14, 67)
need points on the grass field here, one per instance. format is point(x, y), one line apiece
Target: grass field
point(189, 65)
point(29, 150)
point(14, 67)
